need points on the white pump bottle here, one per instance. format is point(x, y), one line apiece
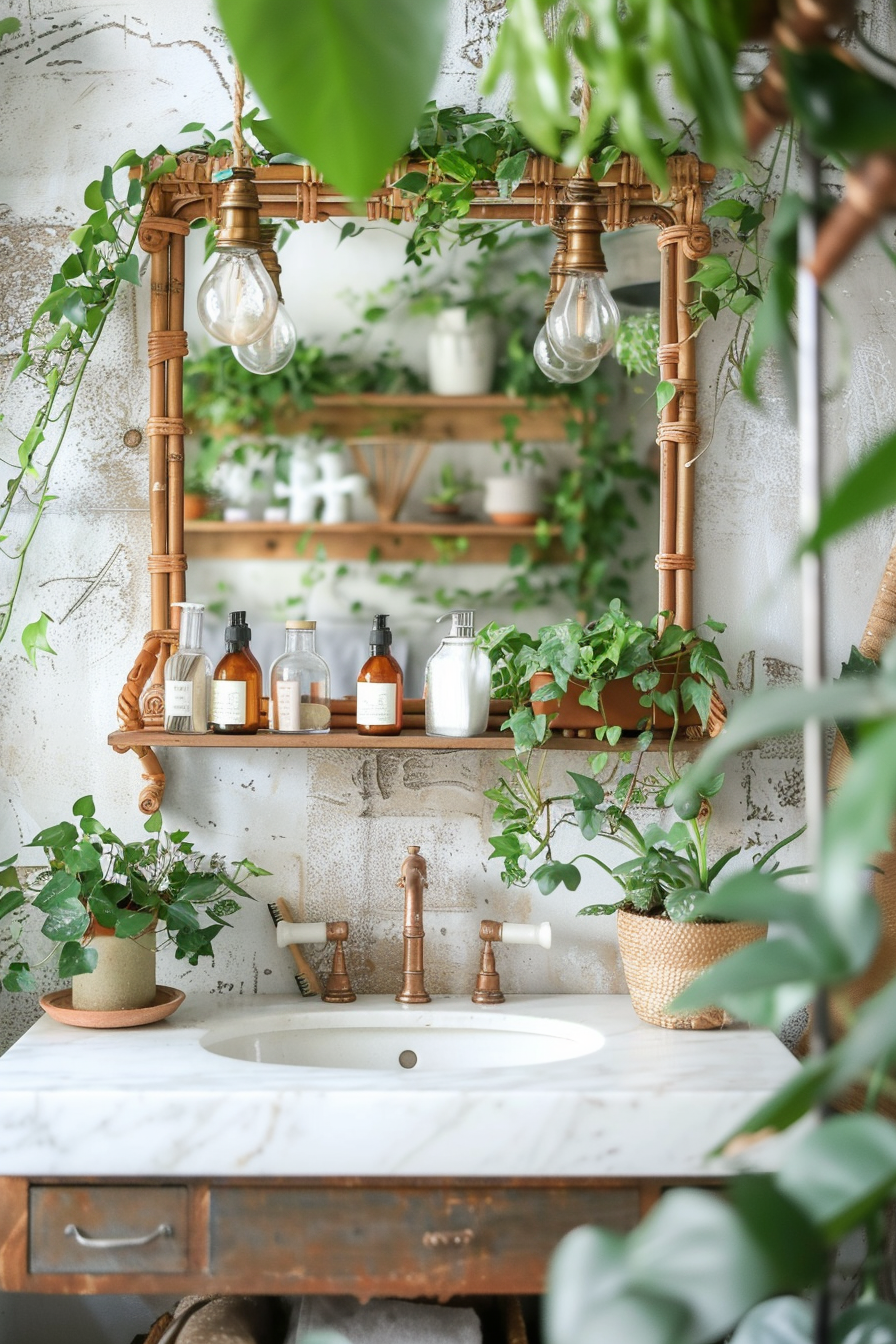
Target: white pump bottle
point(458, 682)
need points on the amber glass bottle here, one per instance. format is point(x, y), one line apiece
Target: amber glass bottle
point(236, 687)
point(380, 685)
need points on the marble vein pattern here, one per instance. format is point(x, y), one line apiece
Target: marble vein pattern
point(154, 1101)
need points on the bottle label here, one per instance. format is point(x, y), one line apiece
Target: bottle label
point(287, 703)
point(376, 704)
point(179, 699)
point(228, 708)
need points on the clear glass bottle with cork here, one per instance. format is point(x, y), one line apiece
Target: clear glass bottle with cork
point(380, 685)
point(458, 682)
point(188, 675)
point(237, 684)
point(300, 684)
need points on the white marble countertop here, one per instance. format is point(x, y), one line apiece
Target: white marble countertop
point(153, 1102)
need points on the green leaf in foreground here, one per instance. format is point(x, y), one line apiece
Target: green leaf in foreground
point(367, 94)
point(76, 960)
point(18, 979)
point(868, 489)
point(34, 638)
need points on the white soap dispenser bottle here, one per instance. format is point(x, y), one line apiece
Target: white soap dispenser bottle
point(458, 682)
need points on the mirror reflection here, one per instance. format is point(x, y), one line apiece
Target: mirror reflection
point(411, 457)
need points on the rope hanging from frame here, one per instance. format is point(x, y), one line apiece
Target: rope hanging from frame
point(239, 97)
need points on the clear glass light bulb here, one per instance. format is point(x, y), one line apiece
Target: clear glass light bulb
point(584, 320)
point(557, 369)
point(273, 350)
point(237, 299)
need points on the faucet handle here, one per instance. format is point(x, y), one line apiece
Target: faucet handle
point(338, 988)
point(288, 933)
point(539, 934)
point(488, 982)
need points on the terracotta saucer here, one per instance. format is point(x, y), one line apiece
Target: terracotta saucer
point(59, 1006)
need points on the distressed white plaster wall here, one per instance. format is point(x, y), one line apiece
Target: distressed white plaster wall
point(81, 83)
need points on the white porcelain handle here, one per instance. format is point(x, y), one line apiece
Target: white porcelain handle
point(527, 933)
point(287, 933)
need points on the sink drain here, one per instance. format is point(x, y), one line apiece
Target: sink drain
point(407, 1059)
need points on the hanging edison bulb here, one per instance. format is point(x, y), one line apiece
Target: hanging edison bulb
point(584, 321)
point(555, 368)
point(237, 300)
point(551, 363)
point(276, 347)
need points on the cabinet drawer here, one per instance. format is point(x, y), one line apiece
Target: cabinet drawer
point(73, 1229)
point(428, 1240)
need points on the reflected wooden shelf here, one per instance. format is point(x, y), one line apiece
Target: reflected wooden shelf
point(409, 739)
point(433, 542)
point(422, 414)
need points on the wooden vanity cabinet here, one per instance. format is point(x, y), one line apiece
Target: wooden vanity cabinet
point(364, 1237)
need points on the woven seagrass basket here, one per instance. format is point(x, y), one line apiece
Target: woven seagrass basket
point(660, 958)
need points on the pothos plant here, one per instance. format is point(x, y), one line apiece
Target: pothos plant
point(611, 648)
point(126, 886)
point(57, 347)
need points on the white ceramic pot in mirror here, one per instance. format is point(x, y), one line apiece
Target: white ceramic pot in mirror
point(461, 353)
point(514, 501)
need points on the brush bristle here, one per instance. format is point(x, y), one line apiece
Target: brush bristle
point(274, 912)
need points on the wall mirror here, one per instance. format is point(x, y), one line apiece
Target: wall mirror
point(377, 460)
point(437, 485)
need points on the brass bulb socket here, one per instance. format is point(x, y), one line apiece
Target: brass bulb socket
point(268, 253)
point(583, 233)
point(239, 211)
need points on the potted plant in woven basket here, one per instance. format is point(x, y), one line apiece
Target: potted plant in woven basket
point(664, 941)
point(104, 901)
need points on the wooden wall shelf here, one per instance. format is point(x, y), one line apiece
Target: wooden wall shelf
point(438, 419)
point(409, 739)
point(403, 542)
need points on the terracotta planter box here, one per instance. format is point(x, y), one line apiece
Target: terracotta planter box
point(621, 701)
point(661, 958)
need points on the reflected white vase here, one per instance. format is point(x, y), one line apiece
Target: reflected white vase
point(514, 501)
point(461, 352)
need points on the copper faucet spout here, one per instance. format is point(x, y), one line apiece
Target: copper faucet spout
point(413, 879)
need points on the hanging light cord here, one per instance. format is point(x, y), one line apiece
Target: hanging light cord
point(239, 95)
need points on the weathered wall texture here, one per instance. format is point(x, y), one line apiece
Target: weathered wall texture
point(81, 84)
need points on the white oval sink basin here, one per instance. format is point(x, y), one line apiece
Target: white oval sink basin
point(404, 1039)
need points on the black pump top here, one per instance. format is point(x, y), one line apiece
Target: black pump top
point(237, 633)
point(380, 634)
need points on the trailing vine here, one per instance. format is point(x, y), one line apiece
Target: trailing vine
point(57, 347)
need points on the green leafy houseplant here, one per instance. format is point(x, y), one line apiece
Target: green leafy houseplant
point(92, 875)
point(613, 648)
point(665, 939)
point(452, 488)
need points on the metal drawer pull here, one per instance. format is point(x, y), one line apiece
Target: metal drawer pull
point(117, 1243)
point(462, 1238)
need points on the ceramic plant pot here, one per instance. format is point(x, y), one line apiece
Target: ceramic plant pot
point(124, 975)
point(513, 501)
point(195, 506)
point(445, 510)
point(661, 958)
point(620, 699)
point(461, 353)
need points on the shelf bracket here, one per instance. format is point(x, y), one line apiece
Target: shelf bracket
point(148, 663)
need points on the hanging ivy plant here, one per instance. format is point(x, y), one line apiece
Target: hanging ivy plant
point(57, 347)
